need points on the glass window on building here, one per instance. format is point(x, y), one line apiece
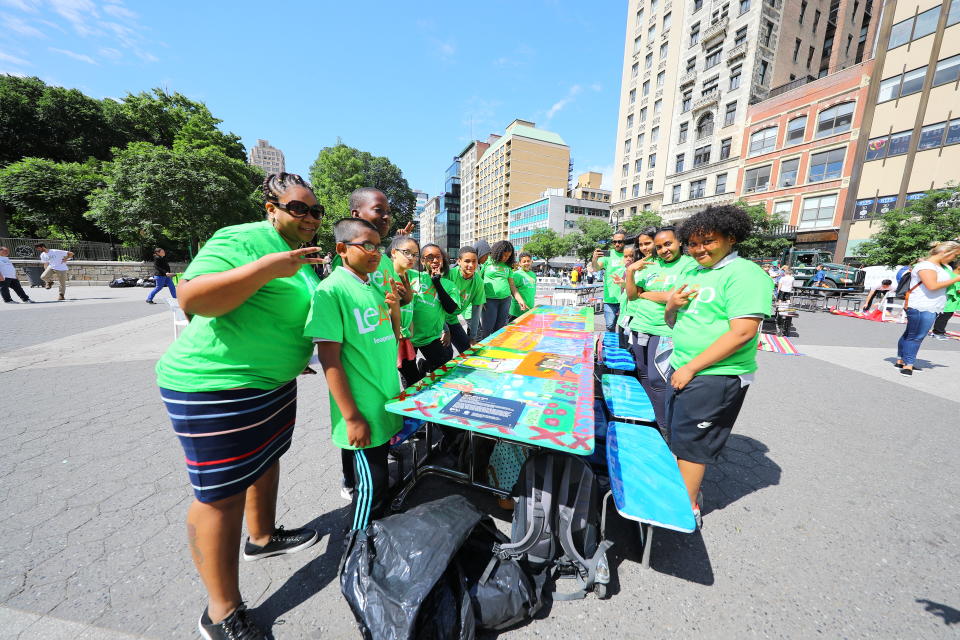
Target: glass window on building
point(651, 161)
point(826, 166)
point(877, 148)
point(648, 62)
point(744, 6)
point(756, 179)
point(948, 70)
point(926, 23)
point(725, 146)
point(913, 81)
point(698, 188)
point(788, 172)
point(900, 33)
point(636, 44)
point(763, 141)
point(735, 74)
point(684, 128)
point(691, 64)
point(626, 145)
point(931, 136)
point(783, 209)
point(701, 156)
point(623, 193)
point(636, 189)
point(835, 120)
point(654, 135)
point(697, 5)
point(818, 212)
point(649, 186)
point(695, 34)
point(657, 107)
point(645, 89)
point(643, 114)
point(679, 164)
point(721, 183)
point(713, 57)
point(686, 102)
point(889, 89)
point(635, 70)
point(638, 165)
point(953, 133)
point(899, 143)
point(626, 169)
point(705, 126)
point(676, 193)
point(954, 16)
point(795, 130)
point(730, 115)
point(667, 19)
point(661, 77)
point(740, 37)
point(664, 49)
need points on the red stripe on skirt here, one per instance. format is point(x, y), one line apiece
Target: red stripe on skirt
point(246, 455)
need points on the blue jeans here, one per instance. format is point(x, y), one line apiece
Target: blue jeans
point(162, 281)
point(918, 324)
point(610, 312)
point(496, 315)
point(474, 322)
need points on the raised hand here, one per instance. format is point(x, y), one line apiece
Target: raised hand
point(639, 265)
point(681, 297)
point(284, 264)
point(392, 298)
point(407, 230)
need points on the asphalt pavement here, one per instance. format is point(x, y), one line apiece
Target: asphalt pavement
point(832, 513)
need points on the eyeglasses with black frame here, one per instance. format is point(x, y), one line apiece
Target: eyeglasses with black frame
point(369, 247)
point(410, 254)
point(300, 210)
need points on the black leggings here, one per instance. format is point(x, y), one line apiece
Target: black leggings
point(371, 483)
point(435, 355)
point(940, 324)
point(458, 337)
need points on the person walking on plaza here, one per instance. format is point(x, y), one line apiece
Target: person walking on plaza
point(229, 386)
point(939, 330)
point(56, 266)
point(162, 275)
point(612, 266)
point(8, 278)
point(715, 312)
point(926, 297)
point(785, 284)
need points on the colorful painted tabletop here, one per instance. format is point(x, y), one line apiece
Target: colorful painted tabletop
point(530, 382)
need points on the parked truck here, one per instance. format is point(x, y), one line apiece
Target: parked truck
point(804, 263)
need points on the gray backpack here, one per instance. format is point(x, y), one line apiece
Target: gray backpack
point(556, 523)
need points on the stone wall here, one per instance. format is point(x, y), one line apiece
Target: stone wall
point(88, 272)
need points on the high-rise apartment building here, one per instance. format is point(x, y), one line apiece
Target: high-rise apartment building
point(428, 220)
point(690, 71)
point(553, 209)
point(268, 158)
point(516, 168)
point(910, 139)
point(422, 198)
point(447, 223)
point(469, 158)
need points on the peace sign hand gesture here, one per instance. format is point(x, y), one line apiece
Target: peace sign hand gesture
point(639, 265)
point(407, 230)
point(681, 297)
point(392, 298)
point(284, 264)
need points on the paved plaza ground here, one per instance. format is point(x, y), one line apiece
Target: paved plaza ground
point(833, 513)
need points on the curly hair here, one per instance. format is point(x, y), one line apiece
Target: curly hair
point(499, 249)
point(444, 259)
point(728, 220)
point(275, 184)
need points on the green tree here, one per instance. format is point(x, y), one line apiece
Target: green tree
point(590, 234)
point(643, 220)
point(340, 169)
point(907, 234)
point(762, 242)
point(152, 192)
point(547, 244)
point(49, 198)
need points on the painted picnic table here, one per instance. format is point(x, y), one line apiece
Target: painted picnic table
point(530, 383)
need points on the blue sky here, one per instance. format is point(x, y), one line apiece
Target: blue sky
point(400, 79)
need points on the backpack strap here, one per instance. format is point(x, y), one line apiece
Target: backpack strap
point(538, 520)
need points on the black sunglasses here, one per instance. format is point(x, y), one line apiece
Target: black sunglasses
point(300, 210)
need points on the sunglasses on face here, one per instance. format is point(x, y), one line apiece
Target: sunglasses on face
point(300, 210)
point(369, 247)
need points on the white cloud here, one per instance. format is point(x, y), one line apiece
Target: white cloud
point(447, 49)
point(560, 104)
point(10, 72)
point(118, 11)
point(30, 6)
point(6, 57)
point(110, 53)
point(20, 27)
point(76, 56)
point(77, 13)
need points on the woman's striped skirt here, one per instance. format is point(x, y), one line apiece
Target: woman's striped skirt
point(230, 438)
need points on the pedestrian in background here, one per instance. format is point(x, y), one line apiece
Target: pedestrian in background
point(56, 266)
point(8, 278)
point(952, 306)
point(926, 297)
point(162, 275)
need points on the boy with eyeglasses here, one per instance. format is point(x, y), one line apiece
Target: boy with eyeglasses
point(352, 323)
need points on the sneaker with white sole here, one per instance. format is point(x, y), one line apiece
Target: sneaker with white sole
point(281, 542)
point(236, 626)
point(346, 492)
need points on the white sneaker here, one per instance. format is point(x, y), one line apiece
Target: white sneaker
point(941, 336)
point(346, 492)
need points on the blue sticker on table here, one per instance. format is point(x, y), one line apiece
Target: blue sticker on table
point(491, 410)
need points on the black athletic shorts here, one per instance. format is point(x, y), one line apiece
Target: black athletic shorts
point(701, 416)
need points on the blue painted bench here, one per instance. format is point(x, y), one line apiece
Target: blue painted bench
point(645, 483)
point(613, 357)
point(626, 400)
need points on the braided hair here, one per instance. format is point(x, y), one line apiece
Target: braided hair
point(275, 184)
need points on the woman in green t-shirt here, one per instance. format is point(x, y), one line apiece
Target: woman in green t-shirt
point(499, 287)
point(229, 385)
point(433, 298)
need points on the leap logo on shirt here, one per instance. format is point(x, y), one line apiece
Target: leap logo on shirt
point(705, 295)
point(369, 318)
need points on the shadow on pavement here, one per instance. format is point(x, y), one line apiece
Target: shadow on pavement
point(949, 614)
point(920, 364)
point(313, 576)
point(744, 468)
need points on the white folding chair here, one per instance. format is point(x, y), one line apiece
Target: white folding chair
point(180, 319)
point(891, 308)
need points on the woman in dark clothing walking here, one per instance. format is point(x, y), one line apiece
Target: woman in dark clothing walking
point(161, 275)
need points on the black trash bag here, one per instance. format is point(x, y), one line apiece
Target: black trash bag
point(503, 592)
point(401, 564)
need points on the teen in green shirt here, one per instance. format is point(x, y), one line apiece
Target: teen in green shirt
point(715, 312)
point(229, 385)
point(649, 283)
point(499, 287)
point(470, 287)
point(434, 296)
point(525, 281)
point(351, 323)
point(612, 266)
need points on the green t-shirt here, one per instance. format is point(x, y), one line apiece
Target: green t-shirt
point(612, 265)
point(658, 276)
point(259, 344)
point(380, 277)
point(953, 294)
point(353, 313)
point(496, 280)
point(470, 293)
point(429, 318)
point(731, 289)
point(526, 282)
